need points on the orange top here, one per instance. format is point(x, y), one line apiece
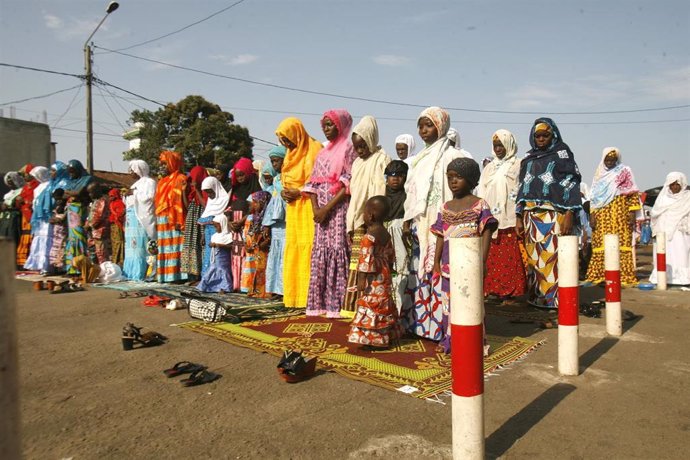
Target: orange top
point(298, 162)
point(170, 189)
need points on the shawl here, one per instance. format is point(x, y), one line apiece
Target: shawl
point(143, 193)
point(408, 140)
point(261, 198)
point(240, 192)
point(299, 161)
point(117, 208)
point(674, 206)
point(61, 178)
point(499, 181)
point(196, 176)
point(368, 178)
point(224, 236)
point(396, 197)
point(82, 180)
point(42, 199)
point(339, 153)
point(170, 189)
point(219, 204)
point(548, 177)
point(610, 183)
point(17, 182)
point(439, 154)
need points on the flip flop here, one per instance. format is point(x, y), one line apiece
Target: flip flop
point(155, 300)
point(200, 377)
point(183, 367)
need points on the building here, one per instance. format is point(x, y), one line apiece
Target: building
point(23, 142)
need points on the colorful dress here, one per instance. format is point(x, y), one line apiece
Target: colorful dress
point(376, 320)
point(254, 268)
point(57, 249)
point(140, 223)
point(117, 227)
point(99, 235)
point(170, 219)
point(27, 197)
point(470, 222)
point(192, 248)
point(76, 235)
point(274, 218)
point(136, 241)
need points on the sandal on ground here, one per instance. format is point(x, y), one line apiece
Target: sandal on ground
point(156, 301)
point(200, 377)
point(183, 367)
point(549, 324)
point(61, 288)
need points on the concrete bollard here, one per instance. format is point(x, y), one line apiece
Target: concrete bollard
point(568, 305)
point(661, 261)
point(612, 265)
point(467, 347)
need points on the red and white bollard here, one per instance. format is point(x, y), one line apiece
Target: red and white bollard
point(661, 261)
point(568, 305)
point(467, 347)
point(612, 265)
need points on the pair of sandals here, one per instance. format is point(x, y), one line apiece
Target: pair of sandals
point(66, 286)
point(199, 374)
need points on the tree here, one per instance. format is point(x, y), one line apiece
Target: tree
point(203, 133)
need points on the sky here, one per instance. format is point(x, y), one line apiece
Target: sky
point(479, 58)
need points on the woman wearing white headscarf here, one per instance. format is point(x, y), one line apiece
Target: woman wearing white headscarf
point(505, 271)
point(427, 189)
point(39, 254)
point(10, 217)
point(140, 221)
point(216, 205)
point(404, 147)
point(671, 215)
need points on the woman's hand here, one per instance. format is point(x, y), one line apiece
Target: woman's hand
point(567, 226)
point(179, 227)
point(407, 234)
point(436, 270)
point(350, 234)
point(290, 194)
point(519, 226)
point(235, 226)
point(593, 221)
point(320, 215)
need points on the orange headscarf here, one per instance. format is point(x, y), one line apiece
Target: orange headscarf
point(299, 161)
point(170, 189)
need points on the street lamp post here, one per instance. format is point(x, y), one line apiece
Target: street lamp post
point(88, 74)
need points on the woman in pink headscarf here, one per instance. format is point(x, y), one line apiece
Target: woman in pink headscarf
point(328, 189)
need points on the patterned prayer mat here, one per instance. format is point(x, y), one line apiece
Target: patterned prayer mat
point(414, 367)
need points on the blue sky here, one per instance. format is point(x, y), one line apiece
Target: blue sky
point(527, 56)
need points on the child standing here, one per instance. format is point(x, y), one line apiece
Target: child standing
point(396, 175)
point(59, 221)
point(257, 240)
point(117, 226)
point(464, 216)
point(367, 181)
point(97, 224)
point(376, 319)
point(218, 277)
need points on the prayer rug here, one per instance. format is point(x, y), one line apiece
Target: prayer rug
point(415, 366)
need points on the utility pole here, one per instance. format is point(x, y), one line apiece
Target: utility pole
point(89, 108)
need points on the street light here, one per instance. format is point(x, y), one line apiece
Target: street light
point(112, 6)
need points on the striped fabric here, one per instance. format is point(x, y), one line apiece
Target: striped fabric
point(169, 251)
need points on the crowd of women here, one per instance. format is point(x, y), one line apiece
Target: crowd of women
point(344, 231)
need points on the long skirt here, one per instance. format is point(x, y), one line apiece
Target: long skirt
point(169, 251)
point(192, 248)
point(402, 265)
point(677, 259)
point(208, 231)
point(541, 243)
point(254, 274)
point(349, 306)
point(117, 244)
point(274, 264)
point(329, 262)
point(237, 254)
point(614, 218)
point(57, 248)
point(505, 271)
point(218, 277)
point(76, 235)
point(39, 255)
point(24, 244)
point(299, 237)
point(136, 247)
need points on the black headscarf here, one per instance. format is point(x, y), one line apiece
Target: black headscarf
point(396, 197)
point(550, 176)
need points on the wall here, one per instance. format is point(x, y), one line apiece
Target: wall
point(23, 142)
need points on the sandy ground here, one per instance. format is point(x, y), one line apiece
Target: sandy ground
point(83, 397)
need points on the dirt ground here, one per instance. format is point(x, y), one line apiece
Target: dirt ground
point(83, 397)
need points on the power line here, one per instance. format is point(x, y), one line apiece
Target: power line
point(110, 108)
point(82, 131)
point(181, 29)
point(387, 102)
point(102, 82)
point(115, 99)
point(41, 96)
point(36, 69)
point(69, 107)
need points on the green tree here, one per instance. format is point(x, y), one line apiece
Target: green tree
point(195, 127)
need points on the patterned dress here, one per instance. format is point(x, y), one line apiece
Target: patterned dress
point(99, 235)
point(505, 269)
point(376, 321)
point(254, 265)
point(76, 235)
point(136, 242)
point(192, 249)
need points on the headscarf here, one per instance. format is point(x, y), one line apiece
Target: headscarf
point(674, 207)
point(396, 197)
point(454, 136)
point(299, 162)
point(466, 168)
point(225, 173)
point(408, 140)
point(261, 199)
point(117, 208)
point(499, 181)
point(27, 193)
point(368, 177)
point(170, 189)
point(548, 177)
point(240, 192)
point(338, 154)
point(61, 178)
point(17, 182)
point(219, 203)
point(196, 175)
point(223, 237)
point(610, 183)
point(82, 180)
point(431, 159)
point(42, 201)
point(268, 170)
point(278, 151)
point(142, 198)
point(26, 169)
point(584, 191)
